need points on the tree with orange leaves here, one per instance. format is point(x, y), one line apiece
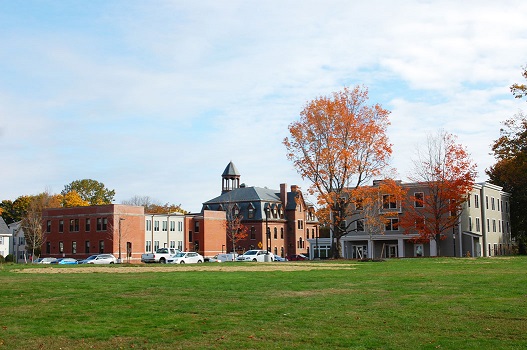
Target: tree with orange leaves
point(339, 144)
point(446, 173)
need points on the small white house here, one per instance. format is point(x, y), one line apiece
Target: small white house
point(5, 239)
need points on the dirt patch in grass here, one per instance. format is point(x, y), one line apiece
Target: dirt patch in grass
point(225, 267)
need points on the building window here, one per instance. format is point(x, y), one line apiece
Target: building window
point(250, 212)
point(156, 225)
point(156, 245)
point(476, 201)
point(88, 225)
point(148, 247)
point(468, 200)
point(488, 225)
point(300, 243)
point(180, 226)
point(300, 224)
point(498, 203)
point(61, 247)
point(492, 204)
point(392, 224)
point(493, 225)
point(104, 224)
point(61, 225)
point(87, 246)
point(478, 225)
point(419, 199)
point(99, 224)
point(173, 227)
point(48, 226)
point(101, 247)
point(275, 233)
point(172, 244)
point(71, 225)
point(148, 225)
point(48, 247)
point(253, 233)
point(470, 223)
point(164, 225)
point(487, 202)
point(74, 247)
point(360, 226)
point(180, 245)
point(389, 202)
point(281, 232)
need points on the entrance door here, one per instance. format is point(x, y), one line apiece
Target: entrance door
point(392, 250)
point(359, 251)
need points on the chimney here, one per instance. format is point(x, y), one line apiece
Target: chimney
point(283, 194)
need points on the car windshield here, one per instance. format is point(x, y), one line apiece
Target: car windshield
point(251, 252)
point(91, 257)
point(179, 255)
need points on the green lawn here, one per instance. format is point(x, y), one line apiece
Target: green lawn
point(440, 303)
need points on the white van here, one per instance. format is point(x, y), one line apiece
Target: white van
point(224, 257)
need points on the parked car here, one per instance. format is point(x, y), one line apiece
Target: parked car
point(278, 258)
point(160, 256)
point(297, 257)
point(68, 261)
point(256, 255)
point(186, 258)
point(46, 261)
point(99, 259)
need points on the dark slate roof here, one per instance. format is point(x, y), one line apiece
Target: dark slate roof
point(230, 170)
point(247, 194)
point(3, 226)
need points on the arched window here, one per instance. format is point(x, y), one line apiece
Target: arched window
point(282, 233)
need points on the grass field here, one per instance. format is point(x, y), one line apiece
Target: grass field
point(441, 303)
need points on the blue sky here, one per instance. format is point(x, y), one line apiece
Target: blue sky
point(154, 98)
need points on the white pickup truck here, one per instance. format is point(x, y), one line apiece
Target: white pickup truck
point(160, 256)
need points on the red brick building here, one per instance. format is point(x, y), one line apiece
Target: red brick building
point(287, 217)
point(83, 231)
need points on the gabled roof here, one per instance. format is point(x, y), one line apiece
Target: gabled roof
point(3, 227)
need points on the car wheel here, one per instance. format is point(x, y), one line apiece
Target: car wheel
point(162, 261)
point(111, 262)
point(199, 261)
point(255, 260)
point(182, 262)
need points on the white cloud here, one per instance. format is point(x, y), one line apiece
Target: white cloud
point(156, 100)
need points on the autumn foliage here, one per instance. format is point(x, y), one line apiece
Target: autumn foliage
point(444, 174)
point(339, 144)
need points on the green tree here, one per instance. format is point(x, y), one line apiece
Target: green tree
point(13, 211)
point(91, 191)
point(510, 172)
